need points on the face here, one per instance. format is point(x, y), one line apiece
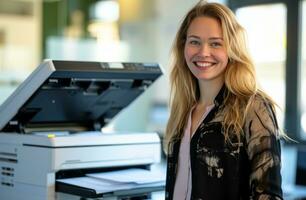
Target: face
point(204, 51)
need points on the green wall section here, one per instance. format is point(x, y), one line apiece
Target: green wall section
point(56, 17)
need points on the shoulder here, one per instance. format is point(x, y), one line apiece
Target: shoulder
point(260, 116)
point(259, 100)
point(259, 106)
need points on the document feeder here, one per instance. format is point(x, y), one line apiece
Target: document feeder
point(51, 130)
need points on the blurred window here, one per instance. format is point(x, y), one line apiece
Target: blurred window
point(266, 34)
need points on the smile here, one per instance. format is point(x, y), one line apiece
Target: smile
point(203, 64)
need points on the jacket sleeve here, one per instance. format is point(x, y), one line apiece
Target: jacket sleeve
point(172, 160)
point(264, 153)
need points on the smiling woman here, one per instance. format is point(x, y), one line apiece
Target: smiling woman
point(222, 134)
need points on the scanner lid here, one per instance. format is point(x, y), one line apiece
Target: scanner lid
point(75, 95)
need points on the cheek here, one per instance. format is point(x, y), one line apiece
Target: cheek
point(188, 53)
point(223, 57)
point(225, 60)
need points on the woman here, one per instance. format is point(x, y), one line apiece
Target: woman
point(222, 134)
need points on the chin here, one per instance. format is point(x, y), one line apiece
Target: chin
point(203, 76)
point(206, 77)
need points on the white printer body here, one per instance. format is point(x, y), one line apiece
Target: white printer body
point(51, 129)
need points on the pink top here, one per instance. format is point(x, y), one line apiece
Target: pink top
point(182, 188)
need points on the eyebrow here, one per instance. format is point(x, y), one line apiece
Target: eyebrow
point(211, 38)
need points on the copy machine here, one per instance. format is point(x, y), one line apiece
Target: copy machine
point(51, 132)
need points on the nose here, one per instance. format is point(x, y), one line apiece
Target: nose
point(205, 50)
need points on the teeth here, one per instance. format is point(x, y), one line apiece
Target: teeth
point(201, 64)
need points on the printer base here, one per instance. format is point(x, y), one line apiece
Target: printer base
point(63, 196)
point(71, 192)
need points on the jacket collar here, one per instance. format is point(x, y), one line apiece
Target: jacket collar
point(221, 96)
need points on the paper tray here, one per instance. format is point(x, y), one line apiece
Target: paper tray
point(86, 192)
point(76, 190)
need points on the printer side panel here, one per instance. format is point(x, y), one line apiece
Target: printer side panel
point(26, 173)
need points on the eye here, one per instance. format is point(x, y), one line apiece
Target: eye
point(194, 42)
point(215, 44)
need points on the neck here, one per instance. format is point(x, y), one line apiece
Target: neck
point(208, 91)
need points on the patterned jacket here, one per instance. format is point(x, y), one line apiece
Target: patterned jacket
point(248, 169)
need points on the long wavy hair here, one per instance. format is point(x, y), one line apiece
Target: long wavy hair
point(240, 78)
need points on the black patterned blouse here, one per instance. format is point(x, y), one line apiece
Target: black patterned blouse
point(248, 169)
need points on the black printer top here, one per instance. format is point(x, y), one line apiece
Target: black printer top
point(75, 95)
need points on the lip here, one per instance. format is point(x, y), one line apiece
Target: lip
point(203, 64)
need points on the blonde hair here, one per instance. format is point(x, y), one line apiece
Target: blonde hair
point(240, 78)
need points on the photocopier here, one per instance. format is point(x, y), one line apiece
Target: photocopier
point(51, 138)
